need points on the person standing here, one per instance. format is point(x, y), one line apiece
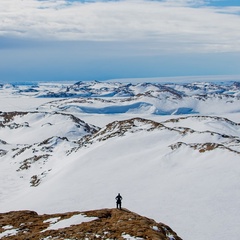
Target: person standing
point(119, 201)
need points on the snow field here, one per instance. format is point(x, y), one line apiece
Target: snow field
point(196, 194)
point(187, 190)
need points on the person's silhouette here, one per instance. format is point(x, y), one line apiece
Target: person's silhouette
point(119, 201)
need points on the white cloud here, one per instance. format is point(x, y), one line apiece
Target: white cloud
point(186, 2)
point(166, 26)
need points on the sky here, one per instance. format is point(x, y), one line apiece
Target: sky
point(63, 40)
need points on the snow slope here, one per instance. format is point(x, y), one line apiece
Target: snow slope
point(166, 184)
point(183, 171)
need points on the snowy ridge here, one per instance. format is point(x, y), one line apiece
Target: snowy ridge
point(14, 125)
point(211, 123)
point(203, 147)
point(34, 138)
point(121, 128)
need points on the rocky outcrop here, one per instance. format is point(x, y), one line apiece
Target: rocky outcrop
point(96, 224)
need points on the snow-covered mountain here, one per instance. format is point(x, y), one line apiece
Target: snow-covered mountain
point(172, 151)
point(154, 98)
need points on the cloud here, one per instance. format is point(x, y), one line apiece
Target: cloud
point(161, 26)
point(186, 2)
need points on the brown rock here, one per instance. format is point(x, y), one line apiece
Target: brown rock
point(108, 224)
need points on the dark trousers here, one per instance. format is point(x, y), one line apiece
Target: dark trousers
point(119, 205)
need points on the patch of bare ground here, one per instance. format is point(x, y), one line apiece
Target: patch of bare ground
point(202, 147)
point(9, 116)
point(107, 224)
point(203, 118)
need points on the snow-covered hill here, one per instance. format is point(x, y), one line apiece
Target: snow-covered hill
point(182, 170)
point(153, 98)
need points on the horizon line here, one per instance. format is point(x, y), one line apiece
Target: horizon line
point(179, 79)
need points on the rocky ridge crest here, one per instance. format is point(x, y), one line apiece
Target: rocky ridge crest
point(99, 224)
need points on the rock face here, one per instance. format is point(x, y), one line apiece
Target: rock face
point(96, 224)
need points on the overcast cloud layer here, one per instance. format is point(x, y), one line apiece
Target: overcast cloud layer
point(189, 24)
point(131, 27)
